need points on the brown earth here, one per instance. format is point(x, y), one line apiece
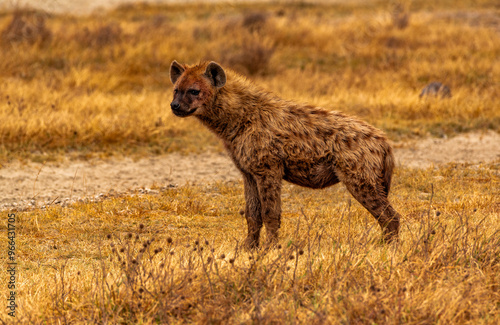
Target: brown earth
point(35, 184)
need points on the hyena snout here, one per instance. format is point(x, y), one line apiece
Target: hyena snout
point(179, 110)
point(175, 106)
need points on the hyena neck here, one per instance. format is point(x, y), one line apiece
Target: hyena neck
point(232, 109)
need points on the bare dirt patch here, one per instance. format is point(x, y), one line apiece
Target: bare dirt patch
point(35, 185)
point(466, 148)
point(83, 7)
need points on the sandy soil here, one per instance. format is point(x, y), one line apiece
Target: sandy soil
point(84, 7)
point(466, 148)
point(26, 186)
point(78, 7)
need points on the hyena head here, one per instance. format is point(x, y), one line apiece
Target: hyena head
point(195, 87)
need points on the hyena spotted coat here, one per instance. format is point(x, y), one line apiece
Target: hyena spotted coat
point(270, 139)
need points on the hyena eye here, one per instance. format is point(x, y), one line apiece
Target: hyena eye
point(194, 92)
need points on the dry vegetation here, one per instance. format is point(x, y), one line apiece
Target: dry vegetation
point(176, 257)
point(99, 83)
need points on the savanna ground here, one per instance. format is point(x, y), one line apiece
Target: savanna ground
point(79, 88)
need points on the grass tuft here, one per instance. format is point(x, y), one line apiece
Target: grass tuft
point(102, 36)
point(400, 14)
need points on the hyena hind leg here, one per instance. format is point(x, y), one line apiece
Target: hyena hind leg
point(376, 202)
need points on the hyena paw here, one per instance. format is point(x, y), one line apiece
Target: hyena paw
point(251, 243)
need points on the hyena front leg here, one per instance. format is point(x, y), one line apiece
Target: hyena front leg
point(252, 211)
point(375, 201)
point(270, 198)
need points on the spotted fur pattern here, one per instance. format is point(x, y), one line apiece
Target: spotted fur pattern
point(270, 139)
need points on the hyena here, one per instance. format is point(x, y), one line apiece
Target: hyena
point(270, 139)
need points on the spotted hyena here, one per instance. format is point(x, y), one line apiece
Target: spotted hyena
point(270, 139)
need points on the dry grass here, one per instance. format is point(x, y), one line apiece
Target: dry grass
point(99, 84)
point(176, 257)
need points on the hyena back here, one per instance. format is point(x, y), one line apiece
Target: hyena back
point(270, 139)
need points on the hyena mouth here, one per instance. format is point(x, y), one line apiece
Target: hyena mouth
point(182, 113)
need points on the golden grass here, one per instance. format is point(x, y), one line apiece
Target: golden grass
point(176, 257)
point(99, 83)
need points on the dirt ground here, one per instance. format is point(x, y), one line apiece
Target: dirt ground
point(84, 7)
point(35, 184)
point(78, 7)
point(25, 186)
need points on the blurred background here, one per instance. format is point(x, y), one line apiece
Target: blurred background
point(86, 78)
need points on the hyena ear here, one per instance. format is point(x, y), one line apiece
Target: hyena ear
point(176, 71)
point(216, 74)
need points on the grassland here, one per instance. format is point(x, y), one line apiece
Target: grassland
point(175, 257)
point(98, 86)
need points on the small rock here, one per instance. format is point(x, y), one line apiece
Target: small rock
point(436, 89)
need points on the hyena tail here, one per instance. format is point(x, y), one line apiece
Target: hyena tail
point(387, 172)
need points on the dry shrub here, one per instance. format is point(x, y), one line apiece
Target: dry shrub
point(280, 12)
point(157, 24)
point(202, 33)
point(26, 27)
point(253, 58)
point(400, 15)
point(254, 21)
point(102, 36)
point(394, 42)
